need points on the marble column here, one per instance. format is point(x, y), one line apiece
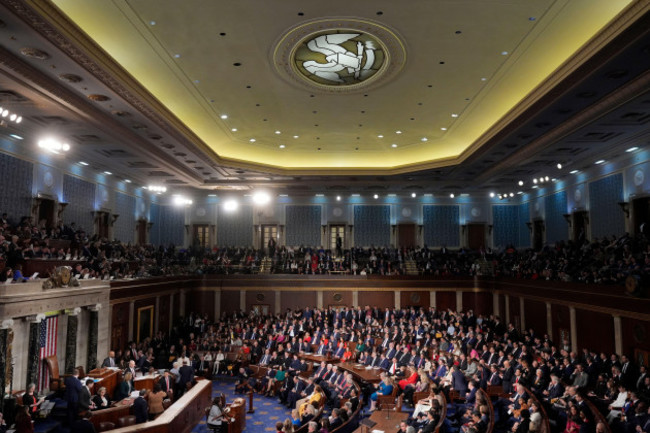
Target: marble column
point(398, 300)
point(432, 299)
point(618, 334)
point(574, 329)
point(459, 301)
point(4, 334)
point(34, 348)
point(319, 299)
point(71, 340)
point(93, 332)
point(355, 298)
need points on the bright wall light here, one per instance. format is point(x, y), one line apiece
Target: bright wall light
point(230, 205)
point(157, 188)
point(179, 200)
point(261, 198)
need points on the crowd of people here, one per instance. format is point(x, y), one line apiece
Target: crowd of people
point(417, 350)
point(600, 261)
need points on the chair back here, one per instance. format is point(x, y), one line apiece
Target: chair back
point(106, 425)
point(53, 366)
point(125, 421)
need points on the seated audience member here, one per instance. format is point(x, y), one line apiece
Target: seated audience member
point(100, 400)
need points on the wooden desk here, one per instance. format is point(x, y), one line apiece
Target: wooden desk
point(180, 417)
point(389, 425)
point(360, 373)
point(107, 378)
point(113, 413)
point(312, 357)
point(146, 382)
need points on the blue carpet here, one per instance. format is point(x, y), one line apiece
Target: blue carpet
point(268, 410)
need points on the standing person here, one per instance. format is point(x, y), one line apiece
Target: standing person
point(85, 397)
point(30, 400)
point(72, 391)
point(186, 375)
point(156, 401)
point(24, 421)
point(140, 408)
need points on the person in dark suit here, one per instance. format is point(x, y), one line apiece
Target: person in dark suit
point(85, 396)
point(458, 381)
point(186, 375)
point(430, 425)
point(110, 360)
point(123, 390)
point(141, 408)
point(335, 419)
point(166, 383)
point(72, 391)
point(83, 425)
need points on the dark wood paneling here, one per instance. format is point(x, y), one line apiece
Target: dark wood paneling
point(120, 326)
point(446, 300)
point(513, 304)
point(260, 297)
point(297, 300)
point(410, 298)
point(636, 335)
point(230, 301)
point(336, 298)
point(502, 307)
point(535, 314)
point(201, 302)
point(561, 320)
point(484, 303)
point(377, 299)
point(177, 305)
point(595, 331)
point(163, 313)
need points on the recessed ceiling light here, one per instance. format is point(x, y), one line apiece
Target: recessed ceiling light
point(338, 198)
point(512, 194)
point(212, 195)
point(559, 166)
point(454, 115)
point(18, 137)
point(573, 171)
point(83, 163)
point(520, 192)
point(252, 140)
point(483, 79)
point(230, 205)
point(233, 129)
point(283, 195)
point(295, 136)
point(282, 146)
point(504, 53)
point(108, 173)
point(376, 196)
point(452, 195)
point(153, 23)
point(177, 56)
point(443, 129)
point(224, 116)
point(631, 149)
point(535, 186)
point(546, 178)
point(534, 180)
point(278, 132)
point(127, 180)
point(393, 145)
point(398, 132)
point(320, 195)
point(380, 136)
point(356, 195)
point(413, 195)
point(197, 82)
point(521, 183)
point(424, 139)
point(600, 161)
point(492, 194)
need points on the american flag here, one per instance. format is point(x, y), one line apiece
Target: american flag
point(47, 342)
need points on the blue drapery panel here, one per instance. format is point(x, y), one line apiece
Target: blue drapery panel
point(557, 228)
point(524, 233)
point(235, 228)
point(168, 225)
point(505, 221)
point(606, 216)
point(371, 226)
point(124, 228)
point(80, 196)
point(16, 177)
point(441, 226)
point(303, 225)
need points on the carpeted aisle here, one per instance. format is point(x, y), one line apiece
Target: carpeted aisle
point(268, 410)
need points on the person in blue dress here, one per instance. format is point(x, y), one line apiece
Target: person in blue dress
point(385, 387)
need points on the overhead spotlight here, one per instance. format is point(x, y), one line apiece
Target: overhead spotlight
point(424, 139)
point(491, 195)
point(393, 145)
point(261, 198)
point(127, 180)
point(380, 136)
point(454, 115)
point(521, 183)
point(252, 140)
point(452, 195)
point(282, 146)
point(53, 145)
point(443, 129)
point(179, 200)
point(278, 132)
point(512, 194)
point(83, 163)
point(559, 166)
point(108, 173)
point(376, 196)
point(546, 178)
point(224, 116)
point(541, 180)
point(233, 129)
point(157, 188)
point(600, 161)
point(573, 171)
point(632, 149)
point(295, 136)
point(230, 205)
point(413, 195)
point(535, 181)
point(398, 132)
point(338, 198)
